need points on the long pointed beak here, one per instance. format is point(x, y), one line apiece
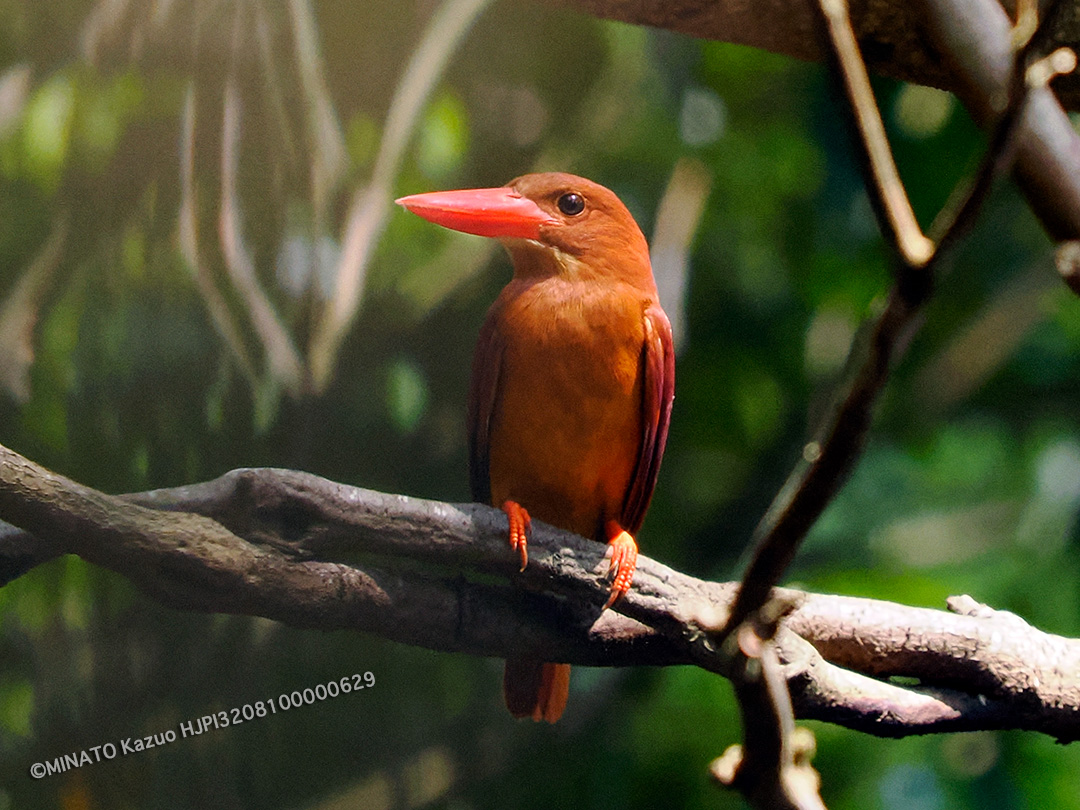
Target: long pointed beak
point(498, 212)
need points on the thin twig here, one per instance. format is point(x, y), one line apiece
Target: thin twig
point(825, 461)
point(188, 239)
point(1067, 261)
point(274, 85)
point(897, 216)
point(829, 458)
point(326, 144)
point(370, 205)
point(975, 38)
point(20, 308)
point(959, 213)
point(283, 360)
point(765, 772)
point(678, 216)
point(772, 768)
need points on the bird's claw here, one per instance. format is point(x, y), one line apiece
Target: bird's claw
point(520, 524)
point(622, 552)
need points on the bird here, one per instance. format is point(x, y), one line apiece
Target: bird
point(572, 384)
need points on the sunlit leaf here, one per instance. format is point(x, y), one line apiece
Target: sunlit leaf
point(443, 137)
point(47, 130)
point(16, 706)
point(923, 111)
point(406, 394)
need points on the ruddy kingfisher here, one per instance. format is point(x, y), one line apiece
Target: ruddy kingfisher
point(572, 380)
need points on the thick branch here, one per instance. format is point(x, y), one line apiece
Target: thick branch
point(272, 543)
point(959, 45)
point(974, 37)
point(890, 32)
point(888, 29)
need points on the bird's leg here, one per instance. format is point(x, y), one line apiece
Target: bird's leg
point(622, 551)
point(520, 523)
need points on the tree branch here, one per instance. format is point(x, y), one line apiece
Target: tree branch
point(772, 767)
point(959, 45)
point(274, 543)
point(975, 40)
point(891, 33)
point(829, 458)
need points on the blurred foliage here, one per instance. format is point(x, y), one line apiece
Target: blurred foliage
point(116, 371)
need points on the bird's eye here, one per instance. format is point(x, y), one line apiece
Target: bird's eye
point(571, 204)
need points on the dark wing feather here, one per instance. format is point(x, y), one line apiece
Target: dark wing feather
point(483, 388)
point(657, 394)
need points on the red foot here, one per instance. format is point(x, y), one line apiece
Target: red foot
point(520, 523)
point(623, 551)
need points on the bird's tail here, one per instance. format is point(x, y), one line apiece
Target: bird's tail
point(536, 689)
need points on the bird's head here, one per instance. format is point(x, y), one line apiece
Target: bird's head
point(551, 223)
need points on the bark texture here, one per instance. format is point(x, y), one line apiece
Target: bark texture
point(309, 552)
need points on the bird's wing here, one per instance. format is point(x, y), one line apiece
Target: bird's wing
point(483, 389)
point(657, 394)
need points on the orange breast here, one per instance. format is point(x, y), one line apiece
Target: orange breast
point(566, 427)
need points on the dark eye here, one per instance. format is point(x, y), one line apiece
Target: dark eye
point(571, 204)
